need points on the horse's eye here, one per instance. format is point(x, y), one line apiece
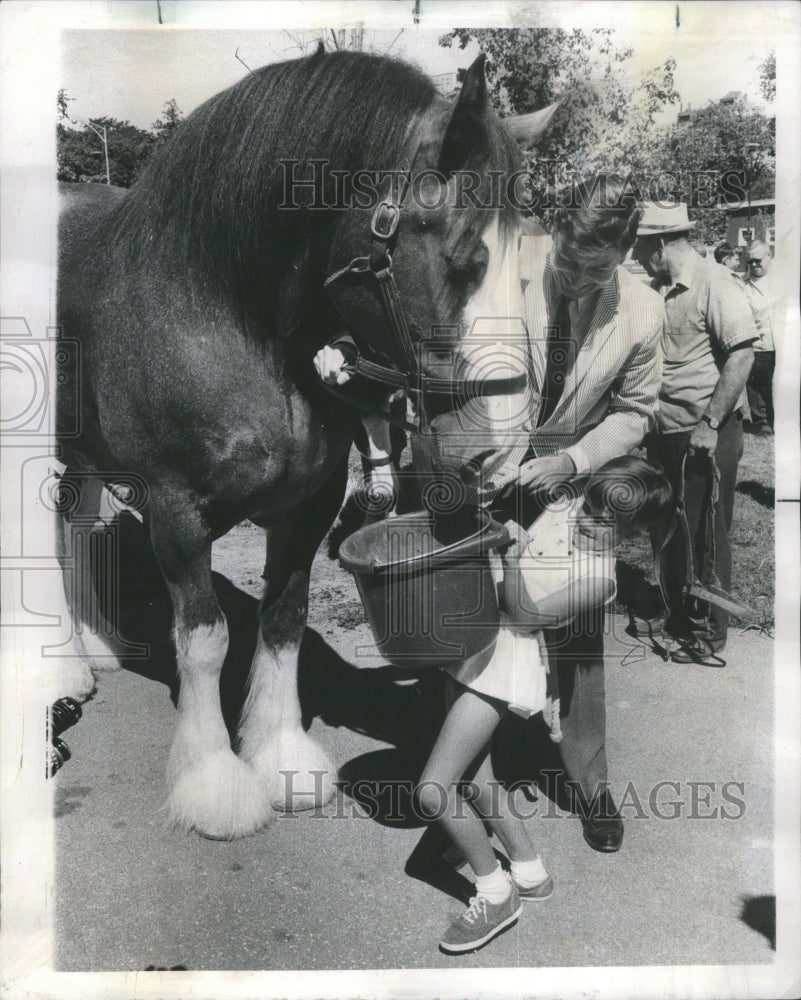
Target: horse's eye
point(470, 269)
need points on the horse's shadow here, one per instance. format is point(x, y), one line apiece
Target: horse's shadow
point(386, 703)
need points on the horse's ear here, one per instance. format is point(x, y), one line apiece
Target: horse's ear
point(467, 127)
point(528, 128)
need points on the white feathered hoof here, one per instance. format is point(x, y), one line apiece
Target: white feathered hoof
point(66, 678)
point(97, 651)
point(297, 773)
point(218, 796)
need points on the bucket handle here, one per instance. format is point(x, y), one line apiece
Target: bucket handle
point(430, 559)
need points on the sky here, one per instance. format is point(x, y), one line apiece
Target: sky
point(130, 74)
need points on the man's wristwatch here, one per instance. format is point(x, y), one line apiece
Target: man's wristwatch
point(713, 422)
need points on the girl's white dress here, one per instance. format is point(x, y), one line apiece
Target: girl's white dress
point(515, 669)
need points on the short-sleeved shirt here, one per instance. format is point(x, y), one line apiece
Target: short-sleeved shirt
point(708, 315)
point(762, 294)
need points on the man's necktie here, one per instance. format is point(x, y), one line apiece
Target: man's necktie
point(557, 362)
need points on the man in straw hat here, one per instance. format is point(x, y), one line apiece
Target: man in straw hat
point(707, 349)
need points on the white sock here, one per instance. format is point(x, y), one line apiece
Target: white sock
point(495, 887)
point(527, 874)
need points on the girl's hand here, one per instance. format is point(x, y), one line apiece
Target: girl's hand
point(518, 537)
point(330, 365)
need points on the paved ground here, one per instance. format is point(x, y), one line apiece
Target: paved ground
point(331, 891)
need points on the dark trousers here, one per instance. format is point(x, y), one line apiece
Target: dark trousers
point(576, 652)
point(760, 388)
point(711, 548)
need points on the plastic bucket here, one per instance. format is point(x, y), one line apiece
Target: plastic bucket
point(427, 586)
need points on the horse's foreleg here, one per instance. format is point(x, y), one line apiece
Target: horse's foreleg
point(211, 789)
point(82, 541)
point(379, 467)
point(296, 771)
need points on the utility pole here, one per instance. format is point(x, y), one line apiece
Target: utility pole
point(751, 152)
point(102, 135)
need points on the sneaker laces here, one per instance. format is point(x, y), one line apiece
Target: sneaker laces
point(477, 907)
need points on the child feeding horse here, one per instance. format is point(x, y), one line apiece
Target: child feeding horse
point(563, 568)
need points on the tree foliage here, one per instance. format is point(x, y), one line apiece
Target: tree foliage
point(767, 77)
point(611, 120)
point(732, 141)
point(606, 110)
point(80, 149)
point(164, 127)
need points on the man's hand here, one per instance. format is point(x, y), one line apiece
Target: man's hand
point(330, 365)
point(546, 472)
point(703, 439)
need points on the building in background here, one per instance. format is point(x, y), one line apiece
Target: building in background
point(744, 224)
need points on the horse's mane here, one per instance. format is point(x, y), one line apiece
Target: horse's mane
point(207, 207)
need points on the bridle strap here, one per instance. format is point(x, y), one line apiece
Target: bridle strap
point(378, 265)
point(463, 389)
point(384, 233)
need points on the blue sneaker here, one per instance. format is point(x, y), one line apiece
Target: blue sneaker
point(542, 890)
point(480, 923)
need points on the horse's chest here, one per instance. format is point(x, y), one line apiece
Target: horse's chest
point(281, 459)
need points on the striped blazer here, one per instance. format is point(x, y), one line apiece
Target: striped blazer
point(610, 393)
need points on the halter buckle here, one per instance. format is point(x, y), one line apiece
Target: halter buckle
point(385, 219)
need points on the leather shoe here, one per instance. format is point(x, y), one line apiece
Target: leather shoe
point(701, 651)
point(602, 823)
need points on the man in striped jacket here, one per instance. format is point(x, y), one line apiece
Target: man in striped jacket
point(594, 331)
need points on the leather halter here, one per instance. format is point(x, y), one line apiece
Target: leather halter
point(377, 266)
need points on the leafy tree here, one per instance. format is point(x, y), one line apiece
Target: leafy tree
point(81, 156)
point(62, 105)
point(767, 77)
point(725, 139)
point(727, 148)
point(607, 122)
point(164, 127)
point(605, 112)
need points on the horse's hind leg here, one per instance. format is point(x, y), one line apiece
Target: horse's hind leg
point(211, 789)
point(296, 771)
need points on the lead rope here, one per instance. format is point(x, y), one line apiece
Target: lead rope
point(708, 588)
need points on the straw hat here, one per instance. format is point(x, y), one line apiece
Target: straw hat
point(659, 218)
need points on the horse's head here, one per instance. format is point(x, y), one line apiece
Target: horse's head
point(425, 276)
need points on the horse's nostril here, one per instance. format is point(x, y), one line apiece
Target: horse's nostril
point(470, 472)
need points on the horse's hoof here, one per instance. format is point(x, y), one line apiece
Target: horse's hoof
point(218, 796)
point(96, 651)
point(66, 678)
point(297, 772)
point(297, 791)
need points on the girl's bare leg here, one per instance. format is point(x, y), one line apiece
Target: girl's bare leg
point(492, 801)
point(463, 741)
